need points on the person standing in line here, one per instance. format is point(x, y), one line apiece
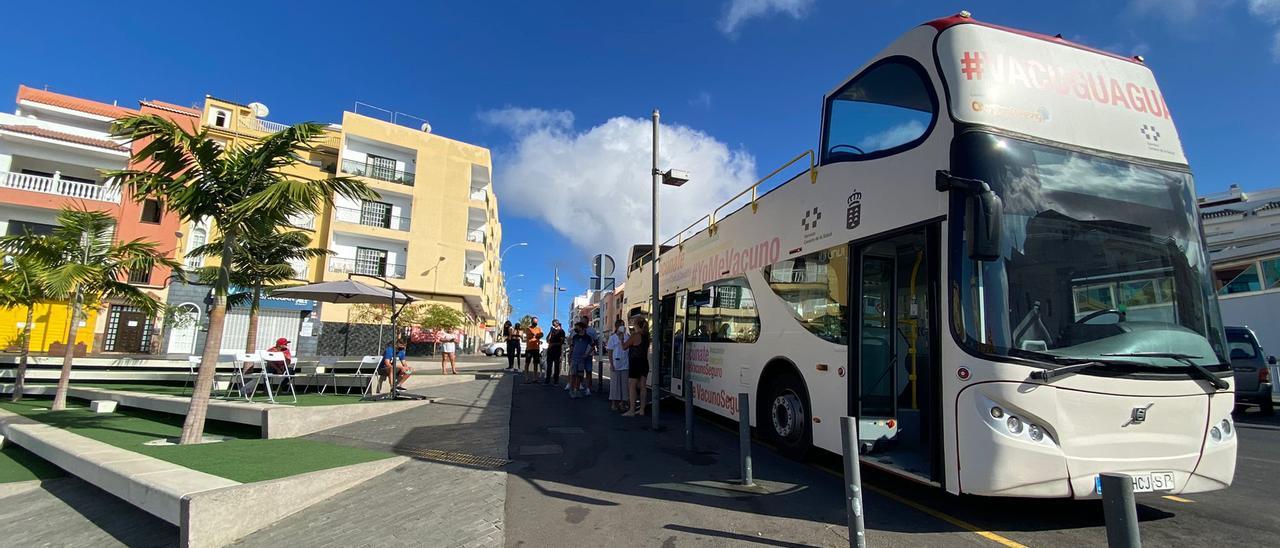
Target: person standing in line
point(512, 334)
point(448, 353)
point(533, 352)
point(637, 346)
point(555, 353)
point(595, 348)
point(580, 350)
point(617, 367)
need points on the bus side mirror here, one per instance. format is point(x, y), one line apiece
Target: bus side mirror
point(984, 215)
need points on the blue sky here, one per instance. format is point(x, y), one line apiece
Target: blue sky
point(740, 81)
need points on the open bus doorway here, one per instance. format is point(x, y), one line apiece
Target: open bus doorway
point(893, 385)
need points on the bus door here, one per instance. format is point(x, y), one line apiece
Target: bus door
point(663, 367)
point(679, 314)
point(894, 375)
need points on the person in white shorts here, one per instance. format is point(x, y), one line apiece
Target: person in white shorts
point(448, 353)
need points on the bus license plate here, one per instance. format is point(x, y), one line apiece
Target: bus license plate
point(1155, 481)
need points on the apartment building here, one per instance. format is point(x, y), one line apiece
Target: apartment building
point(433, 231)
point(53, 149)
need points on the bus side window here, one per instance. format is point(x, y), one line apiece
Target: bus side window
point(887, 109)
point(729, 315)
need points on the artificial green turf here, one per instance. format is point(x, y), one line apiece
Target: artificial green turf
point(304, 400)
point(18, 464)
point(245, 459)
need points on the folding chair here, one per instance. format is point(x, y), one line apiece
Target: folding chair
point(367, 369)
point(282, 378)
point(237, 381)
point(193, 362)
point(325, 368)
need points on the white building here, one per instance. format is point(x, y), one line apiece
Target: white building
point(1243, 233)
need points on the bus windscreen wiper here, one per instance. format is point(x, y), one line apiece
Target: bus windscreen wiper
point(1048, 375)
point(1185, 359)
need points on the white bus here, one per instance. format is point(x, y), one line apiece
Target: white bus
point(995, 262)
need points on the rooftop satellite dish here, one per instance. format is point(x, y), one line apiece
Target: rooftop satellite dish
point(260, 110)
point(426, 127)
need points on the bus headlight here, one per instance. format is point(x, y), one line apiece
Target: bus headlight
point(1014, 424)
point(1226, 426)
point(1215, 433)
point(1036, 433)
point(997, 412)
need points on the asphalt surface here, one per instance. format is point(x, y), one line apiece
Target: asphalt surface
point(615, 482)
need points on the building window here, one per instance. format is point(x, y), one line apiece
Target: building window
point(151, 211)
point(724, 312)
point(142, 277)
point(815, 287)
point(1237, 279)
point(371, 261)
point(18, 228)
point(375, 214)
point(382, 168)
point(220, 118)
point(1271, 272)
point(199, 237)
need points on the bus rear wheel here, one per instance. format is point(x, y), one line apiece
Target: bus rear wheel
point(784, 416)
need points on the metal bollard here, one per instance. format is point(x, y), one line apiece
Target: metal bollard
point(1120, 510)
point(687, 388)
point(744, 437)
point(600, 375)
point(852, 481)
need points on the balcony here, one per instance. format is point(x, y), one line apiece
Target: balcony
point(374, 218)
point(307, 222)
point(473, 280)
point(345, 265)
point(479, 195)
point(382, 173)
point(58, 187)
point(476, 236)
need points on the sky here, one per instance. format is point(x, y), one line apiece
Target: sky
point(562, 91)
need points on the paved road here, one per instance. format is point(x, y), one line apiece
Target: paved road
point(616, 482)
point(70, 512)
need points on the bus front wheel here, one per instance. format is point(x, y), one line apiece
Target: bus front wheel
point(784, 416)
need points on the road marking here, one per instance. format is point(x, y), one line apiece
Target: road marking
point(1270, 461)
point(1003, 541)
point(1177, 499)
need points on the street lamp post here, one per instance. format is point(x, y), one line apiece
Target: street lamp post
point(504, 278)
point(671, 177)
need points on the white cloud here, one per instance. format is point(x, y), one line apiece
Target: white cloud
point(703, 100)
point(594, 186)
point(1268, 11)
point(893, 136)
point(737, 12)
point(522, 121)
point(1176, 10)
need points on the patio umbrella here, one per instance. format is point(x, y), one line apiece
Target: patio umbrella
point(344, 291)
point(349, 291)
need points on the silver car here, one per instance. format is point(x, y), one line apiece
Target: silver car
point(1252, 370)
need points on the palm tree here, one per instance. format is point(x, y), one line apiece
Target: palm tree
point(236, 188)
point(20, 286)
point(83, 263)
point(262, 258)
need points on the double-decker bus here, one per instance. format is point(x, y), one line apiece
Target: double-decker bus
point(994, 262)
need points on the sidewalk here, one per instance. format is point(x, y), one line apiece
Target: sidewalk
point(450, 494)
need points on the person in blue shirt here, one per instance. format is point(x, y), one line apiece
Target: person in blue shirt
point(581, 347)
point(394, 357)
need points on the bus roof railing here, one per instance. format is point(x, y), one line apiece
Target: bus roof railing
point(754, 188)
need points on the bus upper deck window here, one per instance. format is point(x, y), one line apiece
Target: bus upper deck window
point(888, 108)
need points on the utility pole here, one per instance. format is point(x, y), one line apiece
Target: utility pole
point(655, 369)
point(555, 294)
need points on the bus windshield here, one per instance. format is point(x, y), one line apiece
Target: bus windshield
point(1099, 257)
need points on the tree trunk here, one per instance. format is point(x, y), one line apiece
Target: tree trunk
point(251, 339)
point(18, 384)
point(193, 425)
point(64, 378)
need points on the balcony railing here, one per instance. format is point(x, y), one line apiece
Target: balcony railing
point(473, 280)
point(365, 169)
point(476, 236)
point(372, 218)
point(344, 265)
point(479, 194)
point(58, 187)
point(303, 221)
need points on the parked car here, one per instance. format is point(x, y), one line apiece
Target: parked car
point(495, 349)
point(1252, 370)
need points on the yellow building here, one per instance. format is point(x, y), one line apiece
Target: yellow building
point(433, 231)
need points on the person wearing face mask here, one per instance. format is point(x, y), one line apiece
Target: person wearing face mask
point(617, 367)
point(555, 351)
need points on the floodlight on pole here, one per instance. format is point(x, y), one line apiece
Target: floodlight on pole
point(670, 177)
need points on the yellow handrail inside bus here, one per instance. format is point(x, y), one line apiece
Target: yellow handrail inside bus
point(813, 178)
